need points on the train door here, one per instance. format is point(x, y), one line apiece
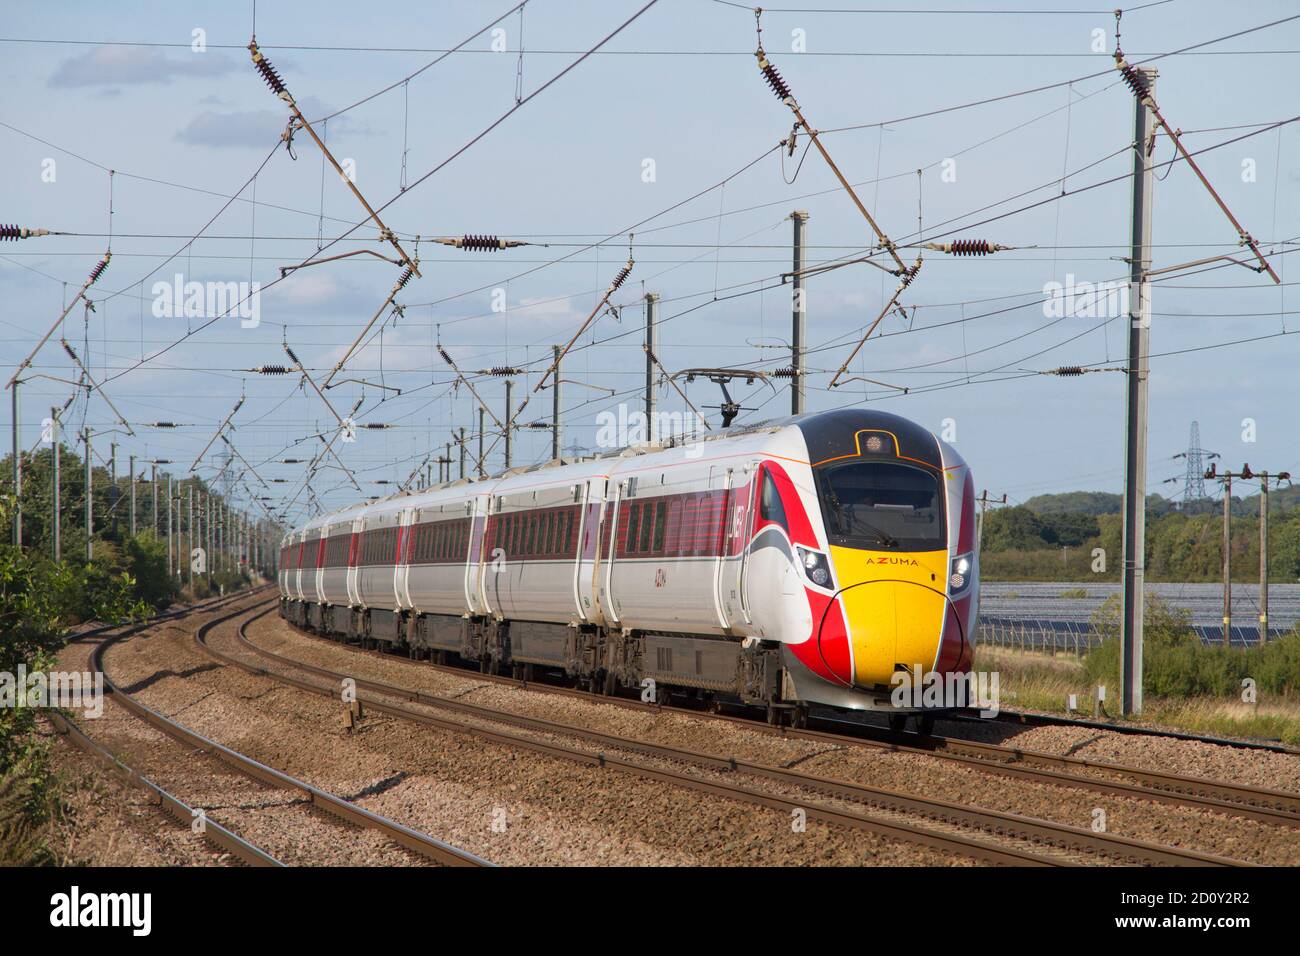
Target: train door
point(587, 496)
point(501, 564)
point(402, 571)
point(476, 510)
point(354, 559)
point(743, 525)
point(318, 576)
point(720, 478)
point(606, 554)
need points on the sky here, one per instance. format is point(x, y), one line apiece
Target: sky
point(668, 131)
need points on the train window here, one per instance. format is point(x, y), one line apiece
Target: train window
point(769, 505)
point(548, 520)
point(633, 514)
point(882, 505)
point(661, 519)
point(568, 532)
point(643, 543)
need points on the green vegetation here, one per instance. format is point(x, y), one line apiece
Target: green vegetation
point(1023, 544)
point(1186, 684)
point(126, 579)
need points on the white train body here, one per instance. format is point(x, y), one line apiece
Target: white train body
point(712, 565)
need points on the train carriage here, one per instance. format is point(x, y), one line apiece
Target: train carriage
point(813, 560)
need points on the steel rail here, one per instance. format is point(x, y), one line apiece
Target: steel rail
point(1061, 836)
point(937, 839)
point(1268, 806)
point(212, 831)
point(350, 812)
point(1055, 720)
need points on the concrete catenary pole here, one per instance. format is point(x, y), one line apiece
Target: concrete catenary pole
point(153, 484)
point(90, 499)
point(1227, 560)
point(1263, 558)
point(460, 440)
point(114, 495)
point(510, 387)
point(18, 470)
point(171, 555)
point(799, 305)
point(132, 483)
point(651, 348)
point(555, 404)
point(481, 415)
point(56, 491)
point(1135, 459)
point(189, 535)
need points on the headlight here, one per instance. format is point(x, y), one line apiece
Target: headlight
point(960, 575)
point(816, 567)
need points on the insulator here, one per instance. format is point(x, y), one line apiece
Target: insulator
point(504, 370)
point(480, 243)
point(405, 278)
point(445, 357)
point(969, 247)
point(787, 372)
point(1135, 78)
point(619, 279)
point(162, 425)
point(1069, 370)
point(774, 80)
point(376, 425)
point(98, 271)
point(267, 71)
point(292, 355)
point(20, 232)
point(270, 370)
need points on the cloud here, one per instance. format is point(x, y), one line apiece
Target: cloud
point(256, 128)
point(240, 128)
point(120, 65)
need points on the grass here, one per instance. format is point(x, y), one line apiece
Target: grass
point(1033, 680)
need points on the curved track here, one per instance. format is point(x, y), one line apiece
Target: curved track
point(1277, 807)
point(428, 846)
point(950, 817)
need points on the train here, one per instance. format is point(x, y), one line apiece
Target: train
point(818, 560)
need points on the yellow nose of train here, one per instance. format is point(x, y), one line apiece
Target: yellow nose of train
point(895, 605)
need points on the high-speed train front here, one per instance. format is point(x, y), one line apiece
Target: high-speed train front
point(891, 573)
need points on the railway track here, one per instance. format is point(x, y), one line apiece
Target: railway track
point(887, 812)
point(423, 844)
point(219, 836)
point(1276, 807)
point(1027, 719)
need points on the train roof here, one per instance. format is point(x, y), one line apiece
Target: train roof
point(828, 435)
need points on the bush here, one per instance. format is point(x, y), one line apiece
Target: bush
point(1175, 662)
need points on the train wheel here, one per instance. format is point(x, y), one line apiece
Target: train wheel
point(925, 725)
point(799, 717)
